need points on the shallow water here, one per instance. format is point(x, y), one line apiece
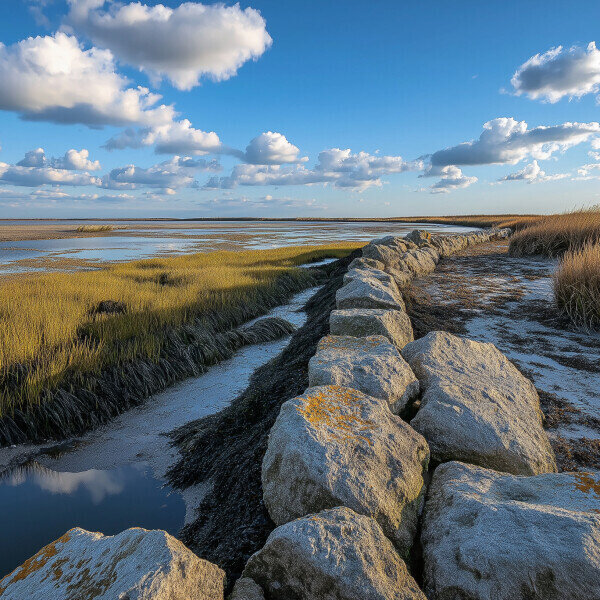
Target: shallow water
point(148, 240)
point(114, 477)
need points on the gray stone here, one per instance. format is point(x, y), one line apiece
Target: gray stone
point(334, 555)
point(335, 446)
point(368, 273)
point(366, 263)
point(419, 236)
point(491, 536)
point(369, 293)
point(371, 365)
point(246, 589)
point(136, 564)
point(477, 407)
point(395, 325)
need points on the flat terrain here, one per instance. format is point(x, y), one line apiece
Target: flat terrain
point(487, 295)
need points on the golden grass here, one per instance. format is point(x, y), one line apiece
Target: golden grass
point(53, 325)
point(513, 221)
point(95, 228)
point(556, 234)
point(577, 285)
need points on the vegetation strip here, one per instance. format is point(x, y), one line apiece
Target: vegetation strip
point(76, 349)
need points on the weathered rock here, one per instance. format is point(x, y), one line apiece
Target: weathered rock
point(383, 253)
point(400, 272)
point(395, 325)
point(419, 236)
point(367, 273)
point(369, 293)
point(396, 242)
point(334, 446)
point(490, 536)
point(477, 407)
point(421, 261)
point(334, 555)
point(366, 263)
point(449, 244)
point(246, 589)
point(372, 365)
point(136, 564)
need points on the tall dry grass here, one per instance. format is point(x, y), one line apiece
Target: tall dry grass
point(95, 228)
point(577, 285)
point(557, 234)
point(515, 222)
point(55, 325)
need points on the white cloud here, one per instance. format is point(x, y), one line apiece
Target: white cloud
point(73, 160)
point(586, 170)
point(338, 167)
point(52, 78)
point(177, 137)
point(532, 173)
point(271, 148)
point(182, 44)
point(37, 176)
point(558, 73)
point(506, 140)
point(452, 179)
point(172, 174)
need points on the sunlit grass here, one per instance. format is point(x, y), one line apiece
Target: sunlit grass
point(556, 234)
point(515, 222)
point(95, 228)
point(577, 285)
point(56, 325)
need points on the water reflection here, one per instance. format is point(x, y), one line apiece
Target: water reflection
point(37, 505)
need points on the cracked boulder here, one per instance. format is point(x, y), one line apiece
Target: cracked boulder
point(369, 292)
point(477, 407)
point(335, 446)
point(371, 365)
point(334, 555)
point(492, 536)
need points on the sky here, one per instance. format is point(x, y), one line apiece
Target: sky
point(315, 109)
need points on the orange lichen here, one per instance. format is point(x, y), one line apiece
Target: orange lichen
point(587, 484)
point(33, 564)
point(331, 407)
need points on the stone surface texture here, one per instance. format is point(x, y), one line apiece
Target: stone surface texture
point(491, 536)
point(334, 555)
point(477, 407)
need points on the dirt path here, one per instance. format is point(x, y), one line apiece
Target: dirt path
point(486, 295)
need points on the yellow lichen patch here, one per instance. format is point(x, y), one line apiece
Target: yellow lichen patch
point(33, 564)
point(587, 484)
point(330, 407)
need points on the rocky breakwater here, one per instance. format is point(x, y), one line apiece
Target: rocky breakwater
point(345, 478)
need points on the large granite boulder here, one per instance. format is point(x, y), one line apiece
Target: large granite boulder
point(385, 253)
point(491, 536)
point(395, 325)
point(367, 273)
point(136, 564)
point(334, 555)
point(449, 244)
point(371, 365)
point(366, 263)
point(421, 261)
point(335, 446)
point(477, 407)
point(369, 292)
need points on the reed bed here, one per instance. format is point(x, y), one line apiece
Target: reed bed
point(557, 234)
point(515, 222)
point(576, 285)
point(63, 330)
point(95, 228)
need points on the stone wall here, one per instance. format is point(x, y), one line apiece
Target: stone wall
point(407, 470)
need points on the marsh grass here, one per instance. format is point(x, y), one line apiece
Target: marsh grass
point(576, 285)
point(515, 222)
point(557, 234)
point(63, 328)
point(95, 228)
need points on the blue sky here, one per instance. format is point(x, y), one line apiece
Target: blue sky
point(380, 89)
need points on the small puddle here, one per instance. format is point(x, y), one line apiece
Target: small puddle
point(113, 477)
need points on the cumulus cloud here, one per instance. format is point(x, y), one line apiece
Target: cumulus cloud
point(586, 171)
point(532, 173)
point(507, 141)
point(176, 173)
point(338, 167)
point(182, 44)
point(73, 160)
point(271, 148)
point(52, 78)
point(452, 178)
point(178, 137)
point(37, 176)
point(560, 72)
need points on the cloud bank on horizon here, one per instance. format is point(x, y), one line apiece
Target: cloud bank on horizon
point(82, 74)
